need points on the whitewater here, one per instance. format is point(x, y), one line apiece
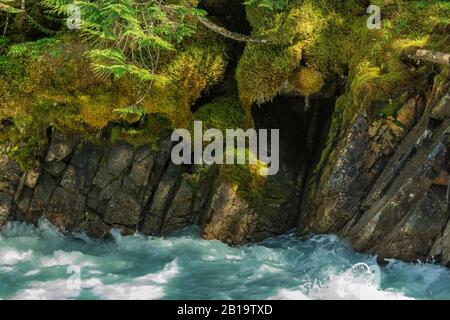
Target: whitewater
point(41, 263)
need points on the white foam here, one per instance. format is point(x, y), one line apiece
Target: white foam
point(169, 271)
point(6, 269)
point(285, 294)
point(232, 257)
point(148, 287)
point(128, 292)
point(50, 290)
point(352, 284)
point(32, 273)
point(62, 258)
point(9, 256)
point(263, 271)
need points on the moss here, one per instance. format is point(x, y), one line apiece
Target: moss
point(49, 82)
point(332, 37)
point(312, 32)
point(192, 71)
point(263, 71)
point(262, 193)
point(25, 154)
point(154, 128)
point(223, 113)
point(308, 81)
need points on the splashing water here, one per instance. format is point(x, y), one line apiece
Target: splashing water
point(40, 263)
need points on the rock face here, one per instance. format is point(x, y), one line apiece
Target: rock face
point(85, 187)
point(385, 187)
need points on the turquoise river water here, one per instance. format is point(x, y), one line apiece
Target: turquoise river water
point(40, 263)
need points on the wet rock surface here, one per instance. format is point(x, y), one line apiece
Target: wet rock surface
point(385, 188)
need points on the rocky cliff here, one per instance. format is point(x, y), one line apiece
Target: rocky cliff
point(90, 187)
point(385, 186)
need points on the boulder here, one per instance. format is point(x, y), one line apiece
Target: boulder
point(61, 146)
point(228, 218)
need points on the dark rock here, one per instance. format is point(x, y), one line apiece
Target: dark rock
point(403, 204)
point(43, 192)
point(180, 212)
point(435, 253)
point(160, 164)
point(32, 177)
point(80, 173)
point(119, 158)
point(382, 262)
point(55, 168)
point(6, 200)
point(413, 237)
point(9, 169)
point(123, 209)
point(24, 199)
point(142, 166)
point(161, 199)
point(360, 159)
point(61, 147)
point(92, 225)
point(94, 203)
point(229, 218)
point(10, 177)
point(442, 109)
point(446, 246)
point(66, 209)
point(108, 192)
point(73, 179)
point(204, 189)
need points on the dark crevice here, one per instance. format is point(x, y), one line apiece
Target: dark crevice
point(303, 135)
point(289, 115)
point(231, 15)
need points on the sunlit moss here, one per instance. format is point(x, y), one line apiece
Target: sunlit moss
point(224, 113)
point(308, 81)
point(192, 71)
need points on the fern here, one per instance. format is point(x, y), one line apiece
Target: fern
point(132, 113)
point(128, 35)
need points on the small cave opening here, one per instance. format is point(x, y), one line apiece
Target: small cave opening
point(303, 133)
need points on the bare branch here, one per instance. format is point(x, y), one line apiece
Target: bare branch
point(431, 56)
point(228, 34)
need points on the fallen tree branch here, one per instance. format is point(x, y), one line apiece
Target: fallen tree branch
point(229, 34)
point(9, 9)
point(431, 56)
